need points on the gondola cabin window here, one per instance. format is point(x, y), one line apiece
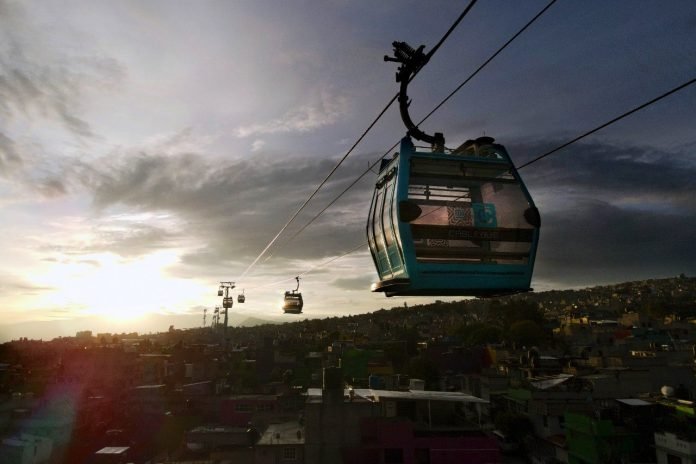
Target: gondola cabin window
point(471, 211)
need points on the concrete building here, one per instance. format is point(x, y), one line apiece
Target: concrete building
point(377, 426)
point(244, 410)
point(148, 399)
point(112, 455)
point(596, 441)
point(281, 443)
point(675, 436)
point(222, 443)
point(672, 449)
point(25, 449)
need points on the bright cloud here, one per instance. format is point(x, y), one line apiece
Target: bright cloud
point(118, 288)
point(327, 110)
point(257, 145)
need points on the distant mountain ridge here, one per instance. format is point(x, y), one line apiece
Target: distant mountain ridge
point(673, 293)
point(49, 329)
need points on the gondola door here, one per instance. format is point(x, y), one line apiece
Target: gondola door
point(382, 229)
point(390, 228)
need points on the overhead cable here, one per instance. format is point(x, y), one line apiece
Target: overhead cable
point(609, 123)
point(485, 63)
point(323, 182)
point(313, 268)
point(437, 107)
point(578, 138)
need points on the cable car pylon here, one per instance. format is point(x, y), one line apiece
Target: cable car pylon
point(227, 300)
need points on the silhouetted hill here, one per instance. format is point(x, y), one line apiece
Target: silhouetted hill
point(676, 295)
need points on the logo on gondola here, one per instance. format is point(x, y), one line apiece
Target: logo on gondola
point(459, 216)
point(484, 215)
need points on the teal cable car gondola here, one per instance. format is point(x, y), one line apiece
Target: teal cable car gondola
point(450, 222)
point(292, 301)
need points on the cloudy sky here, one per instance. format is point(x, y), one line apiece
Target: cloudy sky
point(150, 149)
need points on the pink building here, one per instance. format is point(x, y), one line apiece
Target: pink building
point(368, 426)
point(386, 440)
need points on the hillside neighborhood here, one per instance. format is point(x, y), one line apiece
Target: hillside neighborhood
point(598, 375)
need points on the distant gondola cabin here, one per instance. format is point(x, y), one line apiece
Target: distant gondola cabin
point(292, 302)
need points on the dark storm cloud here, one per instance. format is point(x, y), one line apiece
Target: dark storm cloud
point(16, 88)
point(234, 209)
point(615, 213)
point(26, 167)
point(31, 89)
point(51, 187)
point(9, 157)
point(127, 241)
point(47, 87)
point(593, 241)
point(135, 240)
point(611, 172)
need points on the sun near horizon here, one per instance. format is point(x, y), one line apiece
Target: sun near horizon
point(118, 289)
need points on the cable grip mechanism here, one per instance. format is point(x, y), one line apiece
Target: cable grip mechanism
point(412, 61)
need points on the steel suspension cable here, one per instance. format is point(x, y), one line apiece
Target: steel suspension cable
point(572, 141)
point(534, 160)
point(485, 63)
point(609, 123)
point(582, 136)
point(437, 107)
point(313, 268)
point(323, 182)
point(452, 28)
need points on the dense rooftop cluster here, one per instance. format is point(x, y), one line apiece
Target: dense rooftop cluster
point(593, 375)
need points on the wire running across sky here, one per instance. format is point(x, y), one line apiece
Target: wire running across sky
point(537, 158)
point(340, 162)
point(230, 143)
point(609, 123)
point(314, 268)
point(433, 111)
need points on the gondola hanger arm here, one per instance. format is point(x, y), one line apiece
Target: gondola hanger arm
point(412, 61)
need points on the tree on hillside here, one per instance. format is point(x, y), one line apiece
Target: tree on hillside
point(409, 335)
point(478, 333)
point(397, 353)
point(484, 335)
point(422, 368)
point(526, 333)
point(505, 313)
point(514, 426)
point(515, 311)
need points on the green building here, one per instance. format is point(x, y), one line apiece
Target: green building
point(595, 440)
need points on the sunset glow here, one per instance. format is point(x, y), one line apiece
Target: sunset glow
point(150, 150)
point(119, 289)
